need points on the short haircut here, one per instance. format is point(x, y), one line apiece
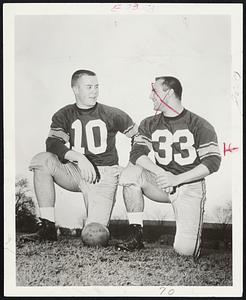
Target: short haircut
point(76, 75)
point(172, 83)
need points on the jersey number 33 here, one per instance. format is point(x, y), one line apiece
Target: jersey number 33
point(186, 141)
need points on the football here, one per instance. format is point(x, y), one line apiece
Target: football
point(95, 234)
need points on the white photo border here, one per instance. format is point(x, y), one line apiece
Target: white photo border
point(9, 13)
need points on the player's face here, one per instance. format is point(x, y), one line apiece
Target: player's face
point(86, 91)
point(157, 94)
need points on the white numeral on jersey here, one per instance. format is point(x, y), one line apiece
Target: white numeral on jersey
point(188, 145)
point(90, 136)
point(167, 146)
point(77, 126)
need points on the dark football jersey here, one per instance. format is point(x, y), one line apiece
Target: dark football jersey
point(179, 143)
point(89, 131)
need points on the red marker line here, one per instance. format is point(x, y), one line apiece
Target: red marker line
point(162, 101)
point(229, 149)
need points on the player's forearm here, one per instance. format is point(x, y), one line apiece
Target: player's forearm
point(197, 173)
point(57, 147)
point(74, 156)
point(145, 162)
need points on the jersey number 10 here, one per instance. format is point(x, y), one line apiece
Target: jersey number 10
point(90, 138)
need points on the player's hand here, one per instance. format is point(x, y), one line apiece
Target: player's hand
point(168, 190)
point(117, 171)
point(87, 170)
point(166, 179)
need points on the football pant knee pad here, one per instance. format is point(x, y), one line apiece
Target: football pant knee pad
point(131, 175)
point(187, 246)
point(44, 161)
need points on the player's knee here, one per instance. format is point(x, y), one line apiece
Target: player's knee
point(185, 246)
point(131, 175)
point(43, 161)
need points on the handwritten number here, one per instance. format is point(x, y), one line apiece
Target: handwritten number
point(133, 6)
point(162, 290)
point(171, 292)
point(116, 7)
point(165, 291)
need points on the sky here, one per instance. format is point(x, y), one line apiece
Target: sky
point(127, 52)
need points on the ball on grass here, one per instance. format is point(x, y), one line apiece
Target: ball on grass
point(95, 234)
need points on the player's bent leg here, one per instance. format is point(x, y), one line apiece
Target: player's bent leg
point(151, 190)
point(41, 165)
point(131, 180)
point(48, 169)
point(189, 210)
point(184, 245)
point(99, 201)
point(137, 182)
point(100, 197)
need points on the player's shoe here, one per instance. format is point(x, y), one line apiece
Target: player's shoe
point(134, 241)
point(46, 232)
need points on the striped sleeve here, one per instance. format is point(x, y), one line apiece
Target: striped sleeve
point(124, 124)
point(58, 136)
point(142, 143)
point(208, 148)
point(142, 140)
point(131, 131)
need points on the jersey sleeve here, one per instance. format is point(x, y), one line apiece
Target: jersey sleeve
point(208, 148)
point(142, 143)
point(58, 136)
point(125, 124)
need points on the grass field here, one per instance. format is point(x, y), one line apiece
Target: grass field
point(67, 262)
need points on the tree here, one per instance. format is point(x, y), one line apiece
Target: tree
point(223, 215)
point(25, 209)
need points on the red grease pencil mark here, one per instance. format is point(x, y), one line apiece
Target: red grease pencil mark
point(162, 100)
point(116, 7)
point(229, 149)
point(132, 7)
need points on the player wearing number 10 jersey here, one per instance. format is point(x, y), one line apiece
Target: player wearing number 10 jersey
point(90, 132)
point(81, 156)
point(186, 150)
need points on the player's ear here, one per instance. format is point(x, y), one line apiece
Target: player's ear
point(75, 89)
point(171, 92)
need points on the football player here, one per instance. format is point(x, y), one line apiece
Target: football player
point(81, 155)
point(186, 151)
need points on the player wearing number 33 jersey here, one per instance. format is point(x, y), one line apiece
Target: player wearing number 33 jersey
point(179, 143)
point(80, 156)
point(186, 150)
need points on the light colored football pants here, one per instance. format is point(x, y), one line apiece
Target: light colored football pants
point(187, 202)
point(99, 197)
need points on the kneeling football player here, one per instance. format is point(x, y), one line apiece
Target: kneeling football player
point(89, 164)
point(186, 151)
